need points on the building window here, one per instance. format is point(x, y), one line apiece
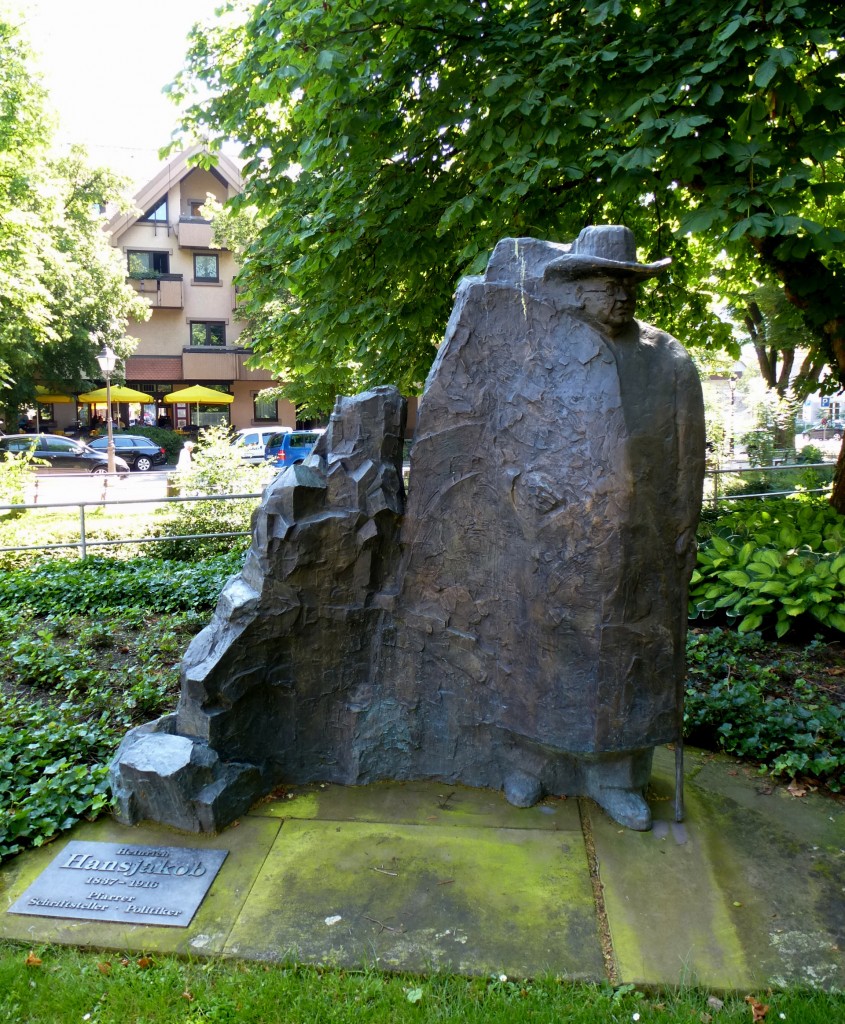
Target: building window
point(206, 266)
point(157, 214)
point(195, 208)
point(265, 408)
point(208, 332)
point(147, 263)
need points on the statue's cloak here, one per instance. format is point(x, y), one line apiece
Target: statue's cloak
point(549, 531)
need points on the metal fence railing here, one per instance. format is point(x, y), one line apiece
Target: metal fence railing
point(83, 543)
point(717, 475)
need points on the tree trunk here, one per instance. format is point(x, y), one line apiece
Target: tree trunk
point(784, 435)
point(837, 497)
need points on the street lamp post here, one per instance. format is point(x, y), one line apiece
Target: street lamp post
point(737, 370)
point(107, 360)
point(732, 386)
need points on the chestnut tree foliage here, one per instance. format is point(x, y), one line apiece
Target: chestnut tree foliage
point(60, 280)
point(390, 143)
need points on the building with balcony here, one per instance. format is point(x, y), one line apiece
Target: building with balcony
point(192, 336)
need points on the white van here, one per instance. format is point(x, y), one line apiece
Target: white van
point(253, 440)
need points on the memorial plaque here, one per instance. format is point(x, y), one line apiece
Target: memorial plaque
point(123, 882)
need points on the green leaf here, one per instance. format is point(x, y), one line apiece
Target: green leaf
point(721, 545)
point(498, 83)
point(745, 553)
point(687, 125)
point(770, 557)
point(765, 73)
point(773, 587)
point(327, 58)
point(788, 537)
point(732, 26)
point(837, 621)
point(737, 578)
point(750, 622)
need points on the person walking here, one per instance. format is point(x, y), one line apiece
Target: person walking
point(186, 457)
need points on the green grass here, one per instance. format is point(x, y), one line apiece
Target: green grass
point(110, 988)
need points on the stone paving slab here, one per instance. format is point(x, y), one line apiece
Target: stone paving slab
point(810, 819)
point(737, 896)
point(421, 898)
point(747, 892)
point(248, 846)
point(668, 918)
point(420, 803)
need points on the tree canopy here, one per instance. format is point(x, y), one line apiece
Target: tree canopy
point(60, 279)
point(390, 143)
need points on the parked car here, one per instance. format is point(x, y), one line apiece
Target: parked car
point(253, 441)
point(62, 453)
point(292, 447)
point(137, 451)
point(830, 432)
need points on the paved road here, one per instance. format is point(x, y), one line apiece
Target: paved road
point(48, 488)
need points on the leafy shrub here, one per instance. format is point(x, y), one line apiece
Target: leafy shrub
point(53, 772)
point(91, 584)
point(217, 468)
point(772, 562)
point(752, 699)
point(759, 446)
point(72, 687)
point(16, 469)
point(737, 485)
point(810, 453)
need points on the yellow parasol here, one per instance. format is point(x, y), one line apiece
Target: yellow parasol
point(119, 393)
point(199, 394)
point(48, 397)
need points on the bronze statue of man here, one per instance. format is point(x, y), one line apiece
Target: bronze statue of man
point(549, 534)
point(602, 272)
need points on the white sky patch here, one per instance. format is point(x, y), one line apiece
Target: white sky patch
point(105, 63)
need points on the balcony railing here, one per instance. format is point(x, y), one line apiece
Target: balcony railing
point(162, 292)
point(194, 233)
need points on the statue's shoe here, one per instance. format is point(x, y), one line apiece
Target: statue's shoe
point(627, 806)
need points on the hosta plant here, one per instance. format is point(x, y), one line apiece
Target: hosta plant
point(769, 563)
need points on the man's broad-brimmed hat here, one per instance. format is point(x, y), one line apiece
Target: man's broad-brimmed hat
point(604, 249)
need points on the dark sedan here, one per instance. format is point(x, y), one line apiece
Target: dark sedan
point(62, 453)
point(139, 452)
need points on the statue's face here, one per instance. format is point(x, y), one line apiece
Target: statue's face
point(609, 301)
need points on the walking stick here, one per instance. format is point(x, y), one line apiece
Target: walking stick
point(679, 770)
point(679, 741)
